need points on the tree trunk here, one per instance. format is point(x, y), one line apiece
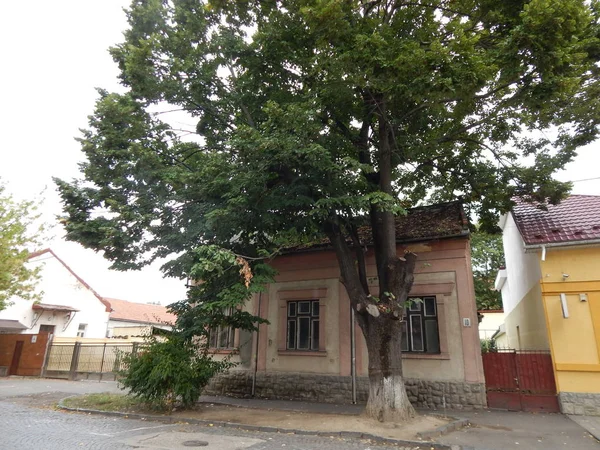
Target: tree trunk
point(380, 321)
point(388, 401)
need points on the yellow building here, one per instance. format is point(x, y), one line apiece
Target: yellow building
point(551, 293)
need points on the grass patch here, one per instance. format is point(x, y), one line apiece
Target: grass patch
point(106, 402)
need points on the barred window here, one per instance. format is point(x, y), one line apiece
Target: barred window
point(420, 326)
point(303, 325)
point(222, 337)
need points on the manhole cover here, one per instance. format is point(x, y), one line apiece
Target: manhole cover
point(195, 444)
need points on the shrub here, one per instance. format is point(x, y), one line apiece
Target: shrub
point(170, 371)
point(488, 345)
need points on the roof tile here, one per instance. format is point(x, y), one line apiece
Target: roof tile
point(577, 218)
point(139, 312)
point(423, 223)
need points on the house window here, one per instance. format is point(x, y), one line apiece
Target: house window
point(420, 326)
point(81, 330)
point(222, 337)
point(303, 325)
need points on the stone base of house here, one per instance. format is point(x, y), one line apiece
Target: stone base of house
point(338, 389)
point(579, 403)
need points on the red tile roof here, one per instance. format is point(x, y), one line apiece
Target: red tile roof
point(139, 312)
point(48, 250)
point(576, 218)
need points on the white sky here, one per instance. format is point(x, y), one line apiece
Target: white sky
point(54, 55)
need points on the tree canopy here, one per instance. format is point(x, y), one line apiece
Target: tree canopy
point(314, 117)
point(18, 236)
point(487, 256)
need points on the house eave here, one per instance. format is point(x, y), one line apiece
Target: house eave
point(327, 246)
point(139, 322)
point(533, 248)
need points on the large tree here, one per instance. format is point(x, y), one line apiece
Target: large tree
point(317, 117)
point(19, 234)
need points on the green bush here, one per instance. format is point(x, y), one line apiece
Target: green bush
point(488, 345)
point(166, 372)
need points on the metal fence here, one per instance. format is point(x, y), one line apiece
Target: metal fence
point(77, 358)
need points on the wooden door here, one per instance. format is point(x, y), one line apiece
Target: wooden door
point(14, 365)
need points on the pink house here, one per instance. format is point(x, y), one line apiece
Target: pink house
point(312, 350)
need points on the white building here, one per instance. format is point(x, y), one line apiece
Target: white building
point(69, 307)
point(490, 323)
point(129, 319)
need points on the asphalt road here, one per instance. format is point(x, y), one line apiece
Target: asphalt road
point(28, 421)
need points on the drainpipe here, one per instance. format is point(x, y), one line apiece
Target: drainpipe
point(256, 350)
point(353, 354)
point(543, 253)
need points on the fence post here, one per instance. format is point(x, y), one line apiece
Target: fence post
point(102, 363)
point(74, 361)
point(46, 355)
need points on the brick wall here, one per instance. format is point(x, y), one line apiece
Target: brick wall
point(32, 355)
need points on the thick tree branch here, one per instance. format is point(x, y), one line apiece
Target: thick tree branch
point(346, 262)
point(360, 258)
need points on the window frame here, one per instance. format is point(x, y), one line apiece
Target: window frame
point(419, 310)
point(80, 331)
point(216, 334)
point(284, 295)
point(294, 315)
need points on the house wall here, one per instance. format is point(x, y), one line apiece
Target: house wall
point(490, 323)
point(244, 342)
point(575, 341)
point(136, 330)
point(455, 376)
point(117, 328)
point(60, 287)
point(523, 269)
point(521, 293)
point(525, 325)
point(502, 340)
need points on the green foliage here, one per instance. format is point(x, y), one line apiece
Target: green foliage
point(165, 372)
point(487, 258)
point(17, 237)
point(294, 106)
point(488, 346)
point(320, 116)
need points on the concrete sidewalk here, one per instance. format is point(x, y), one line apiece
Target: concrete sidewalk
point(590, 423)
point(491, 430)
point(16, 386)
point(507, 430)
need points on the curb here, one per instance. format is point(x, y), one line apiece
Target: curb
point(457, 424)
point(217, 423)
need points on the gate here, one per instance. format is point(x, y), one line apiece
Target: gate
point(520, 381)
point(22, 354)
